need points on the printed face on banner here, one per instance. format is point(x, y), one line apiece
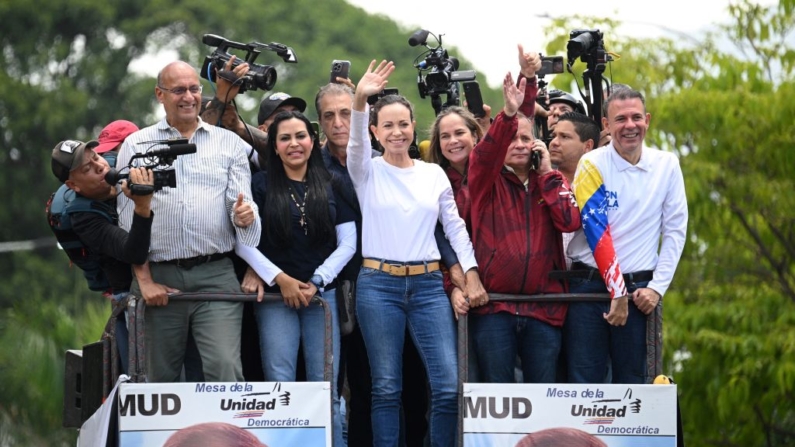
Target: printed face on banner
point(576, 415)
point(246, 414)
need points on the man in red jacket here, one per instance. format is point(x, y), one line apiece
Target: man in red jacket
point(518, 214)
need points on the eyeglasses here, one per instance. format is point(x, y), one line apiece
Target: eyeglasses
point(179, 91)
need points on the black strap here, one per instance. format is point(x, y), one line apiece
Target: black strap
point(584, 271)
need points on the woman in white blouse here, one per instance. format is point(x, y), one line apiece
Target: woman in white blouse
point(400, 284)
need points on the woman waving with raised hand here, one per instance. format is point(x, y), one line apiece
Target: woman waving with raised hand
point(400, 284)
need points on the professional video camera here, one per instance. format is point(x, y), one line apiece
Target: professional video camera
point(258, 76)
point(164, 156)
point(589, 46)
point(437, 72)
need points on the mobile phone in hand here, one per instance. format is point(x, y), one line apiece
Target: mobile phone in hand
point(474, 99)
point(339, 69)
point(550, 65)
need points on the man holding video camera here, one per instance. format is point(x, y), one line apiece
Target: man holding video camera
point(634, 217)
point(200, 220)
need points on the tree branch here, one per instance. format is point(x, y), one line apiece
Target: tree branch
point(765, 252)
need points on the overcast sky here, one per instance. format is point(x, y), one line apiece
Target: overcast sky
point(516, 21)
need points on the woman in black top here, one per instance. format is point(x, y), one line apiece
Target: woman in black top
point(307, 238)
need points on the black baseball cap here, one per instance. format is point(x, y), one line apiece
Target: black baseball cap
point(273, 101)
point(68, 156)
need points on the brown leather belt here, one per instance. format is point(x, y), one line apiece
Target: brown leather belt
point(401, 269)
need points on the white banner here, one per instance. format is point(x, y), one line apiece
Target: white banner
point(569, 415)
point(275, 413)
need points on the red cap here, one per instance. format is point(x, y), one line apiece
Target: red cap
point(113, 134)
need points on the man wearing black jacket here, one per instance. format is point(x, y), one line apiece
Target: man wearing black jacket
point(77, 165)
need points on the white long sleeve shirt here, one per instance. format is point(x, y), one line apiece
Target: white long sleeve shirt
point(400, 206)
point(640, 210)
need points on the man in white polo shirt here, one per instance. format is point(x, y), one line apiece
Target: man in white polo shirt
point(634, 216)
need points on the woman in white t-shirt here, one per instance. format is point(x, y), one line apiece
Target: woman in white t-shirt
point(400, 284)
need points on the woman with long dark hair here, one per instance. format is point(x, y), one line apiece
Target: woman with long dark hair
point(307, 238)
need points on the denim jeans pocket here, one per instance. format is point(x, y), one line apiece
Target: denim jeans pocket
point(367, 271)
point(434, 274)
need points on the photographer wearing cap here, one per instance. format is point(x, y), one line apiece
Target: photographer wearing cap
point(274, 103)
point(80, 168)
point(202, 218)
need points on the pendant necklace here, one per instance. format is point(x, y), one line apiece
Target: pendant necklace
point(301, 208)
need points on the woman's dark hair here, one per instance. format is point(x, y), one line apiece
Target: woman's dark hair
point(388, 100)
point(435, 152)
point(276, 213)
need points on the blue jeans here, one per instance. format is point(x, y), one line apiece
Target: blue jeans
point(281, 331)
point(499, 337)
point(593, 345)
point(385, 306)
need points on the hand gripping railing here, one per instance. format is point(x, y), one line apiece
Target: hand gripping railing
point(653, 338)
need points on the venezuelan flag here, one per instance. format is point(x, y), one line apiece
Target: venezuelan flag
point(591, 194)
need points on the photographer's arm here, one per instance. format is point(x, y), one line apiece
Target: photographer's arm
point(221, 110)
point(102, 236)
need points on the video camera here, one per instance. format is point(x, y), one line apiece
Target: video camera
point(589, 46)
point(437, 72)
point(258, 76)
point(164, 156)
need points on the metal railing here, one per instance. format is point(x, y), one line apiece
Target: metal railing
point(136, 322)
point(653, 338)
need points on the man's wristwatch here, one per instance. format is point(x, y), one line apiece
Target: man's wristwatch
point(318, 282)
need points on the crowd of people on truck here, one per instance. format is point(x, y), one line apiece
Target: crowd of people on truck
point(277, 208)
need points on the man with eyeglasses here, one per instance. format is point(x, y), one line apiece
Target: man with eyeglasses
point(201, 218)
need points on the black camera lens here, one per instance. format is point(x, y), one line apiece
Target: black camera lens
point(264, 77)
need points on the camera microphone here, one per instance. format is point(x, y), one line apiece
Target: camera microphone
point(212, 40)
point(113, 176)
point(418, 38)
point(172, 151)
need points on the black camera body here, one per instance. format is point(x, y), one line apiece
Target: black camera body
point(163, 157)
point(437, 72)
point(259, 76)
point(589, 46)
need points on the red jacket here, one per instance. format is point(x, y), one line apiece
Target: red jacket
point(516, 233)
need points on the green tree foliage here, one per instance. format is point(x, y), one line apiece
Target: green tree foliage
point(724, 104)
point(65, 73)
point(730, 341)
